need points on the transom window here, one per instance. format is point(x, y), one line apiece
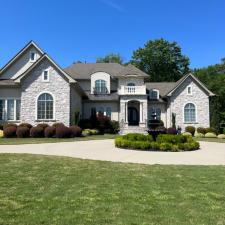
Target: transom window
point(189, 113)
point(10, 109)
point(155, 113)
point(45, 105)
point(100, 87)
point(154, 94)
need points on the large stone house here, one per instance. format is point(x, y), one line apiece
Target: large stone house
point(34, 89)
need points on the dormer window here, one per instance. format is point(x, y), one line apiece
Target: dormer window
point(154, 94)
point(189, 90)
point(32, 56)
point(100, 87)
point(45, 76)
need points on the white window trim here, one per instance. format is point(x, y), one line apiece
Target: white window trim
point(157, 94)
point(196, 113)
point(14, 110)
point(43, 80)
point(36, 107)
point(35, 56)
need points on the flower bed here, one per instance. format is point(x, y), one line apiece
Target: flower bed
point(164, 142)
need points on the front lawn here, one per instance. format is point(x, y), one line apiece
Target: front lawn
point(55, 190)
point(18, 141)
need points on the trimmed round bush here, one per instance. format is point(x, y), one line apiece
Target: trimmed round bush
point(210, 135)
point(1, 134)
point(43, 125)
point(210, 130)
point(190, 129)
point(23, 132)
point(58, 125)
point(50, 132)
point(29, 126)
point(63, 132)
point(221, 136)
point(201, 130)
point(37, 132)
point(9, 125)
point(170, 138)
point(138, 137)
point(166, 146)
point(75, 131)
point(10, 131)
point(171, 130)
point(115, 126)
point(186, 134)
point(199, 135)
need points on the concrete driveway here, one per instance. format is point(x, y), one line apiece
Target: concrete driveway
point(210, 153)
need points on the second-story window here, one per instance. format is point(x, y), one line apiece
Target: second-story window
point(154, 94)
point(100, 87)
point(45, 76)
point(32, 56)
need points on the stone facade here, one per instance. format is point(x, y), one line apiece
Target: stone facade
point(32, 86)
point(180, 98)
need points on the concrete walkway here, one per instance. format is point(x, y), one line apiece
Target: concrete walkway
point(210, 153)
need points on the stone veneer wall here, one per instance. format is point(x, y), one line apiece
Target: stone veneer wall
point(180, 98)
point(32, 86)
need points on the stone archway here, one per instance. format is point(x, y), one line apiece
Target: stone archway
point(133, 113)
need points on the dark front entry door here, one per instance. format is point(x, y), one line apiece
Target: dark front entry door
point(133, 117)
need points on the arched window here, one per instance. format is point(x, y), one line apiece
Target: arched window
point(131, 84)
point(189, 113)
point(100, 87)
point(45, 107)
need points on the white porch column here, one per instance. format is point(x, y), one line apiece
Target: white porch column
point(141, 112)
point(126, 112)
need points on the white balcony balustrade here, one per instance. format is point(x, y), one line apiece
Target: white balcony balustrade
point(132, 90)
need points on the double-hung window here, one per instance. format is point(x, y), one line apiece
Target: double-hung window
point(10, 109)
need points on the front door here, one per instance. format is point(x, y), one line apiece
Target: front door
point(133, 117)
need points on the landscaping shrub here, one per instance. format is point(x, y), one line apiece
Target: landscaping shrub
point(165, 146)
point(221, 136)
point(50, 132)
point(1, 126)
point(9, 125)
point(37, 132)
point(210, 130)
point(88, 132)
point(63, 132)
point(23, 132)
point(10, 131)
point(43, 125)
point(187, 134)
point(75, 131)
point(85, 124)
point(57, 124)
point(170, 138)
point(115, 126)
point(1, 134)
point(164, 142)
point(190, 129)
point(199, 135)
point(29, 126)
point(138, 137)
point(201, 130)
point(210, 135)
point(171, 130)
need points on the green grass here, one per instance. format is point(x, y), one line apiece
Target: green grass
point(64, 191)
point(18, 141)
point(211, 140)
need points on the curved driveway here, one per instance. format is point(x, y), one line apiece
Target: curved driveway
point(210, 153)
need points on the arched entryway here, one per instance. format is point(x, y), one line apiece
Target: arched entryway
point(133, 113)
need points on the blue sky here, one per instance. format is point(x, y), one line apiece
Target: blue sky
point(72, 30)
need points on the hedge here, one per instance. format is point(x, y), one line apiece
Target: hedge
point(164, 142)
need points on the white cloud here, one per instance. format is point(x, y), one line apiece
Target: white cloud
point(113, 5)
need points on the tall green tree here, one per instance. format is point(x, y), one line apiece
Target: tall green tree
point(214, 78)
point(162, 60)
point(110, 58)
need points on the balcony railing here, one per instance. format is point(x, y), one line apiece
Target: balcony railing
point(132, 90)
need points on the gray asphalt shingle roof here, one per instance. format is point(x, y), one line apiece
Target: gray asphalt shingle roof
point(163, 87)
point(84, 70)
